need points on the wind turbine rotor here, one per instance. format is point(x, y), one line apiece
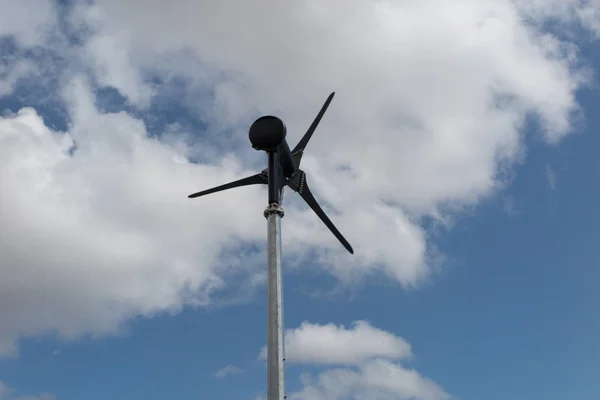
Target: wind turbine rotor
point(268, 134)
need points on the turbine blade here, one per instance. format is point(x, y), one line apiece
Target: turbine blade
point(251, 180)
point(297, 151)
point(298, 184)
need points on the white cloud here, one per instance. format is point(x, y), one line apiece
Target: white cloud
point(93, 239)
point(111, 57)
point(372, 355)
point(27, 27)
point(431, 101)
point(10, 74)
point(332, 344)
point(374, 380)
point(228, 370)
point(584, 13)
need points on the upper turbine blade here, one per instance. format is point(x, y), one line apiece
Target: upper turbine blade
point(251, 180)
point(297, 151)
point(298, 184)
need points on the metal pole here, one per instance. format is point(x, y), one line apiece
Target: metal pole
point(275, 349)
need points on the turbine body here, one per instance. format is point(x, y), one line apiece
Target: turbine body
point(267, 133)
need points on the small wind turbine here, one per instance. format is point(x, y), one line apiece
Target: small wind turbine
point(268, 134)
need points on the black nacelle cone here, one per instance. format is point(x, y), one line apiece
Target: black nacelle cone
point(267, 133)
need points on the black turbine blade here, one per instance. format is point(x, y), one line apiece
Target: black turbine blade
point(251, 180)
point(297, 151)
point(298, 184)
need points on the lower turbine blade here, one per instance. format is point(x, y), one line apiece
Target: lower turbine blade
point(301, 187)
point(251, 180)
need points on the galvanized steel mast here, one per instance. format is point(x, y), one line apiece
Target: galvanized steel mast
point(275, 349)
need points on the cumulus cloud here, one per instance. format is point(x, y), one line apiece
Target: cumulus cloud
point(579, 13)
point(94, 236)
point(372, 356)
point(377, 380)
point(332, 344)
point(29, 28)
point(11, 72)
point(430, 108)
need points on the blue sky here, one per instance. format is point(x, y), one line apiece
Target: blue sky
point(479, 251)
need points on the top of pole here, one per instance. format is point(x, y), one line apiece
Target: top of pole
point(273, 208)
